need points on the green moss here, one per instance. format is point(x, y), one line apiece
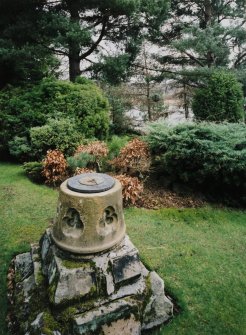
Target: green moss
point(67, 314)
point(19, 312)
point(93, 289)
point(147, 295)
point(50, 324)
point(70, 264)
point(47, 331)
point(18, 277)
point(40, 279)
point(52, 289)
point(109, 267)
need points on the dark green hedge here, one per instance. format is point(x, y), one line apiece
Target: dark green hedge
point(221, 99)
point(209, 155)
point(26, 107)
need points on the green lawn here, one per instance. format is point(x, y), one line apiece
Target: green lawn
point(201, 253)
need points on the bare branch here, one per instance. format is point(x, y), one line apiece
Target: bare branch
point(96, 43)
point(239, 59)
point(194, 58)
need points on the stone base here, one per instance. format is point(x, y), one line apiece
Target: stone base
point(57, 293)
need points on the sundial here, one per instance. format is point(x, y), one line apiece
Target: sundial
point(90, 266)
point(89, 214)
point(91, 183)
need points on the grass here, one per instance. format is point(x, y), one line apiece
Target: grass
point(201, 253)
point(25, 211)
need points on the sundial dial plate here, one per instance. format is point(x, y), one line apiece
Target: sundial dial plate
point(90, 183)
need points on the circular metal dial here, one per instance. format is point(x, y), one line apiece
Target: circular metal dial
point(90, 183)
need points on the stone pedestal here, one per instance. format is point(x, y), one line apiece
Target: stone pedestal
point(85, 277)
point(60, 293)
point(87, 223)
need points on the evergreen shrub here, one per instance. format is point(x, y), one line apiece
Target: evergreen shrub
point(115, 144)
point(206, 154)
point(26, 107)
point(34, 171)
point(220, 100)
point(19, 147)
point(81, 161)
point(61, 134)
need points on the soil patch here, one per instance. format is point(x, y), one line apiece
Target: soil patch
point(156, 197)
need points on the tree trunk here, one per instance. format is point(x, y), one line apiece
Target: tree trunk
point(207, 12)
point(148, 100)
point(74, 47)
point(147, 80)
point(74, 66)
point(186, 101)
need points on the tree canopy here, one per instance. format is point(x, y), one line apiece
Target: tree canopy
point(24, 56)
point(82, 31)
point(206, 33)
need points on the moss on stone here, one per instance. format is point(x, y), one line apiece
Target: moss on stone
point(52, 289)
point(92, 294)
point(50, 324)
point(145, 297)
point(19, 313)
point(93, 290)
point(109, 267)
point(18, 277)
point(47, 331)
point(40, 279)
point(71, 264)
point(67, 314)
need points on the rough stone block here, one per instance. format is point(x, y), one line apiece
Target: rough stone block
point(23, 266)
point(28, 285)
point(70, 283)
point(95, 319)
point(126, 268)
point(107, 293)
point(159, 308)
point(39, 326)
point(126, 326)
point(46, 251)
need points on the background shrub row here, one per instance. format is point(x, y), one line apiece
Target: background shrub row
point(52, 114)
point(207, 155)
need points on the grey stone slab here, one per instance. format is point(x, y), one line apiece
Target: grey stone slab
point(94, 319)
point(74, 284)
point(70, 283)
point(125, 268)
point(35, 252)
point(159, 308)
point(45, 244)
point(125, 326)
point(28, 286)
point(38, 322)
point(46, 252)
point(37, 266)
point(23, 265)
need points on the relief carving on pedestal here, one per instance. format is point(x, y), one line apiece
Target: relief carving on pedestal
point(108, 223)
point(72, 224)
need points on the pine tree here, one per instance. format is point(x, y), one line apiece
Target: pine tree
point(24, 53)
point(81, 30)
point(206, 33)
